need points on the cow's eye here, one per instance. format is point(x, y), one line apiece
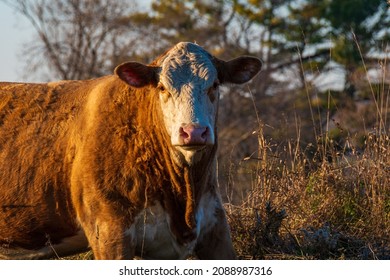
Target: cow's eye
point(161, 88)
point(164, 93)
point(212, 91)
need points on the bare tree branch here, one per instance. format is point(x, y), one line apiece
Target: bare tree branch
point(76, 36)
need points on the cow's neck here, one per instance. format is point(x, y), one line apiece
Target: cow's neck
point(181, 194)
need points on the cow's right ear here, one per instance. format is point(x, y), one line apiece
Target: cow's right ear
point(136, 74)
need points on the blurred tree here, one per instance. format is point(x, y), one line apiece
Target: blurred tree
point(360, 29)
point(77, 39)
point(298, 39)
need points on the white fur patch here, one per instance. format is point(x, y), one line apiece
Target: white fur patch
point(205, 214)
point(154, 238)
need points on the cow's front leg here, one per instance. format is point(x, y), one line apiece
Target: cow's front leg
point(108, 229)
point(109, 240)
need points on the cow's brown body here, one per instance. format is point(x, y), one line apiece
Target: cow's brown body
point(89, 163)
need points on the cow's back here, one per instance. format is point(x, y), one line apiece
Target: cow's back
point(36, 123)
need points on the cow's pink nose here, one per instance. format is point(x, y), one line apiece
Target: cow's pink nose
point(193, 135)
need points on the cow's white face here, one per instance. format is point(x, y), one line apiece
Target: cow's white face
point(187, 79)
point(188, 85)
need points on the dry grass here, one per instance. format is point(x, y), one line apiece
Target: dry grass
point(317, 209)
point(321, 201)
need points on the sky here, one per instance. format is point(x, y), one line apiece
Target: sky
point(15, 32)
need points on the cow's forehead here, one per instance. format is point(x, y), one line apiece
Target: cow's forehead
point(187, 64)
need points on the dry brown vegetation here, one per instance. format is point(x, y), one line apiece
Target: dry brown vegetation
point(322, 201)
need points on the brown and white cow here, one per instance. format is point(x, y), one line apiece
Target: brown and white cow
point(124, 164)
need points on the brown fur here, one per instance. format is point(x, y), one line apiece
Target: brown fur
point(49, 133)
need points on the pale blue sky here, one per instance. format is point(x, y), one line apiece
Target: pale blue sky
point(15, 31)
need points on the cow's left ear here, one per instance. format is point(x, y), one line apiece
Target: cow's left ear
point(136, 74)
point(239, 70)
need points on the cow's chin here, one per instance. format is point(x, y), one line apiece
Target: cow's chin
point(189, 154)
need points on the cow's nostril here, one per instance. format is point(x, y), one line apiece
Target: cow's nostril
point(183, 133)
point(204, 134)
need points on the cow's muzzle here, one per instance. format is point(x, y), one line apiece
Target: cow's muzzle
point(194, 136)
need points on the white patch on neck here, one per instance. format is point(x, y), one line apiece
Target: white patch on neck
point(154, 238)
point(151, 231)
point(205, 215)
